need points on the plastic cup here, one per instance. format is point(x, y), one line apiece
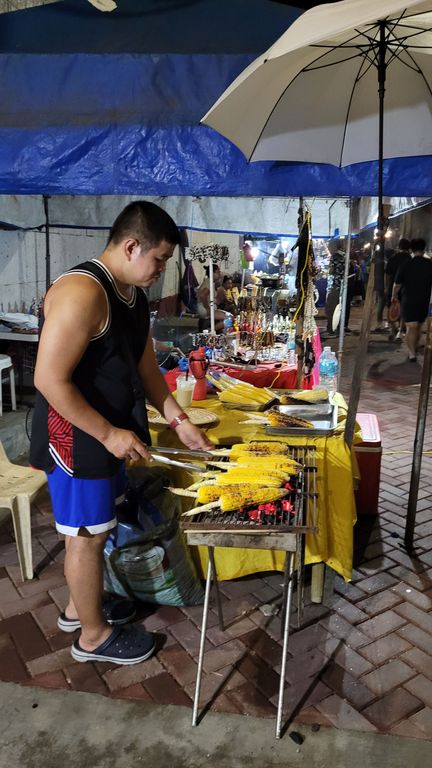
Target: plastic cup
point(185, 388)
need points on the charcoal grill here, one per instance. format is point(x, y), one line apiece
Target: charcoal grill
point(277, 526)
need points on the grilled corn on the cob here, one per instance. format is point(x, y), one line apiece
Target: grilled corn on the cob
point(306, 396)
point(263, 448)
point(233, 500)
point(277, 419)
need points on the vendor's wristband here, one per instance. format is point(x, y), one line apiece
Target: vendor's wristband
point(178, 420)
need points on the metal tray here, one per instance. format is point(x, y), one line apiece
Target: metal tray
point(247, 407)
point(322, 425)
point(316, 411)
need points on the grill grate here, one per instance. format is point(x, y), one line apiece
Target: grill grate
point(295, 513)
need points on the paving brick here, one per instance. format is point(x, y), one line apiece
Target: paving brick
point(352, 636)
point(121, 677)
point(50, 662)
point(386, 648)
point(55, 679)
point(239, 587)
point(250, 701)
point(12, 669)
point(25, 605)
point(46, 617)
point(421, 687)
point(419, 660)
point(8, 592)
point(349, 659)
point(29, 640)
point(164, 616)
point(228, 654)
point(387, 677)
point(235, 629)
point(311, 716)
point(350, 612)
point(379, 602)
point(163, 689)
point(50, 578)
point(392, 708)
point(383, 624)
point(423, 721)
point(309, 664)
point(60, 595)
point(343, 715)
point(188, 636)
point(346, 686)
point(3, 574)
point(258, 673)
point(416, 637)
point(407, 729)
point(261, 644)
point(178, 663)
point(215, 683)
point(348, 590)
point(223, 703)
point(309, 638)
point(135, 692)
point(377, 583)
point(84, 677)
point(415, 616)
point(420, 581)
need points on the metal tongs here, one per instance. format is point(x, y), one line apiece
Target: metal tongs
point(196, 467)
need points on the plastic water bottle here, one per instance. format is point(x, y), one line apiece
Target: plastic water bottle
point(328, 369)
point(291, 355)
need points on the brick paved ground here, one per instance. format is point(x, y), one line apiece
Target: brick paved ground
point(364, 664)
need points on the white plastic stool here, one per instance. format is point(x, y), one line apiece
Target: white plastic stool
point(18, 487)
point(6, 364)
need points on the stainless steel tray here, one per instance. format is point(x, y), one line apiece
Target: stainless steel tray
point(308, 412)
point(246, 407)
point(323, 425)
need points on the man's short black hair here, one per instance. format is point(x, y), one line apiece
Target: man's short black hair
point(418, 244)
point(404, 244)
point(146, 222)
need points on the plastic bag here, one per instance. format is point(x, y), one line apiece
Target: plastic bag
point(146, 556)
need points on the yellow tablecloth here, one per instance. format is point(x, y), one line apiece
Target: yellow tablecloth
point(333, 544)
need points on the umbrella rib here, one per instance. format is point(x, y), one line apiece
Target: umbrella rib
point(348, 111)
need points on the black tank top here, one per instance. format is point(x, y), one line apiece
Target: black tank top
point(106, 376)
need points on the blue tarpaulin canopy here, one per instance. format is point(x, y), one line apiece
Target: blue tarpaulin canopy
point(109, 104)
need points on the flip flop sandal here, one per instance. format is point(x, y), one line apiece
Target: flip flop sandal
point(123, 646)
point(115, 611)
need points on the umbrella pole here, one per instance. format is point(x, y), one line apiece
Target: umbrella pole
point(47, 243)
point(212, 298)
point(360, 362)
point(344, 296)
point(419, 438)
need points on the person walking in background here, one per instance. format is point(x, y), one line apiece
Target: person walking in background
point(95, 364)
point(415, 279)
point(394, 264)
point(336, 275)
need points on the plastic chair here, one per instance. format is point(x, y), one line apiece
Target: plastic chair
point(6, 364)
point(18, 488)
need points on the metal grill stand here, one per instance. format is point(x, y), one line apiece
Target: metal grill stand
point(284, 537)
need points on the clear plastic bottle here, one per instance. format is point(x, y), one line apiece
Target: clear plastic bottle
point(328, 369)
point(291, 354)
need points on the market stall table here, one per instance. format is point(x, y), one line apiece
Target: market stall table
point(332, 544)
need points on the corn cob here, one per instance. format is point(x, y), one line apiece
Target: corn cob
point(280, 463)
point(263, 447)
point(246, 475)
point(213, 492)
point(306, 396)
point(277, 419)
point(233, 500)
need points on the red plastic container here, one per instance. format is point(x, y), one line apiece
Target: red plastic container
point(368, 454)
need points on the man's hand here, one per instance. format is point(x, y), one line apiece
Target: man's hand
point(193, 437)
point(125, 444)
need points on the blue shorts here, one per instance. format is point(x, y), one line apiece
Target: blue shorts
point(89, 504)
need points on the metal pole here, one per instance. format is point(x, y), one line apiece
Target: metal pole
point(288, 587)
point(344, 296)
point(47, 243)
point(212, 297)
point(202, 644)
point(419, 437)
point(382, 66)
